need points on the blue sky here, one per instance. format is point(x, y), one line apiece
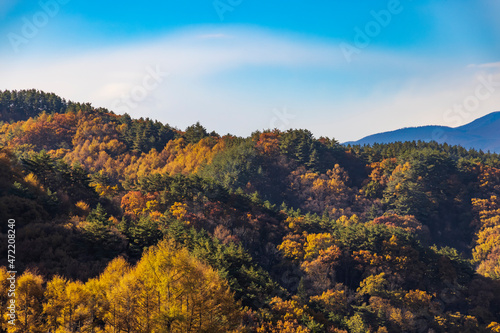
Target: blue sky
point(341, 69)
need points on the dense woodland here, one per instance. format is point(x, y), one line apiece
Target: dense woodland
point(131, 225)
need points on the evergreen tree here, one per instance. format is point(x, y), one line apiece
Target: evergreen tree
point(195, 133)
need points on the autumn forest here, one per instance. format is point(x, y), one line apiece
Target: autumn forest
point(133, 225)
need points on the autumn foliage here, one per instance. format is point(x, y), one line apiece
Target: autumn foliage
point(132, 225)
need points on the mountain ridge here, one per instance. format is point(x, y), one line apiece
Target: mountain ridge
point(479, 134)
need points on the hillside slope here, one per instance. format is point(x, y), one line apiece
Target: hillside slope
point(133, 225)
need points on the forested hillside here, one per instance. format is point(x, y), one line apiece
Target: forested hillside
point(131, 225)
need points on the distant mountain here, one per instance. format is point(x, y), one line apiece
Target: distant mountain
point(482, 133)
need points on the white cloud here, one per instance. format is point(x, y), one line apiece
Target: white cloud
point(189, 54)
point(451, 100)
point(488, 65)
point(394, 90)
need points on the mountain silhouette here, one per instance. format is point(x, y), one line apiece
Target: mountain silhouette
point(480, 134)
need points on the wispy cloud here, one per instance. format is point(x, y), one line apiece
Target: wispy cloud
point(381, 90)
point(488, 65)
point(190, 56)
point(447, 98)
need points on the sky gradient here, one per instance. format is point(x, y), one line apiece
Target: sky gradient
point(340, 69)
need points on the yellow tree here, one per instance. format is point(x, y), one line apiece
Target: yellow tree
point(168, 291)
point(185, 295)
point(29, 298)
point(108, 283)
point(65, 305)
point(179, 210)
point(292, 247)
point(4, 297)
point(93, 309)
point(55, 301)
point(373, 285)
point(123, 314)
point(334, 301)
point(288, 315)
point(315, 243)
point(75, 314)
